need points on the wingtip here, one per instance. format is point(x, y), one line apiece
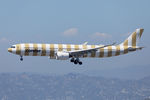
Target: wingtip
point(114, 43)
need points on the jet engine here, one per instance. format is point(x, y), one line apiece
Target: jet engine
point(62, 56)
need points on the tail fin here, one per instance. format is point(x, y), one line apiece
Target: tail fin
point(134, 38)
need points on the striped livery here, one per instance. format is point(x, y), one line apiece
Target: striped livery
point(50, 50)
point(29, 49)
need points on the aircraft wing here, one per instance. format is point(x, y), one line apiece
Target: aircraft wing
point(78, 53)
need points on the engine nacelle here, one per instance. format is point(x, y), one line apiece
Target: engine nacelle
point(62, 55)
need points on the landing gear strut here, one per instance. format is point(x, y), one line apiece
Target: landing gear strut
point(21, 58)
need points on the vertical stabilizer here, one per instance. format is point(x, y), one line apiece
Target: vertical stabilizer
point(133, 39)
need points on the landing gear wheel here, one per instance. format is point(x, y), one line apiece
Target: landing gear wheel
point(21, 59)
point(72, 60)
point(80, 63)
point(75, 62)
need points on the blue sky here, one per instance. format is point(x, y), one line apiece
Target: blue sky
point(74, 21)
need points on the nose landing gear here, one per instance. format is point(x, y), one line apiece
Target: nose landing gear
point(21, 58)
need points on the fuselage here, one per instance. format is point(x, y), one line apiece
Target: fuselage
point(30, 49)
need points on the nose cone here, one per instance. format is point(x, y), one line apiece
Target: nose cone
point(9, 49)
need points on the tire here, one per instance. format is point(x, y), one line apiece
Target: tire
point(75, 62)
point(72, 60)
point(80, 63)
point(21, 59)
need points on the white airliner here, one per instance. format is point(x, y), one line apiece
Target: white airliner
point(74, 52)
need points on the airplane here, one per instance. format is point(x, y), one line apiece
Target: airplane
point(74, 52)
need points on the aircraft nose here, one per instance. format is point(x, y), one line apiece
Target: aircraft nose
point(9, 49)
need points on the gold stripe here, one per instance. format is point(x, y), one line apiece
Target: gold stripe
point(134, 39)
point(141, 31)
point(125, 44)
point(26, 49)
point(117, 50)
point(93, 53)
point(109, 51)
point(101, 52)
point(10, 49)
point(76, 47)
point(43, 50)
point(35, 47)
point(60, 47)
point(18, 49)
point(68, 47)
point(51, 50)
point(84, 47)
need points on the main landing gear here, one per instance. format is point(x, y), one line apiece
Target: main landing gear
point(21, 58)
point(76, 61)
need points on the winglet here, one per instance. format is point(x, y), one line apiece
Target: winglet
point(114, 43)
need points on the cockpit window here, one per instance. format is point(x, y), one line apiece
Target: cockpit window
point(13, 47)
